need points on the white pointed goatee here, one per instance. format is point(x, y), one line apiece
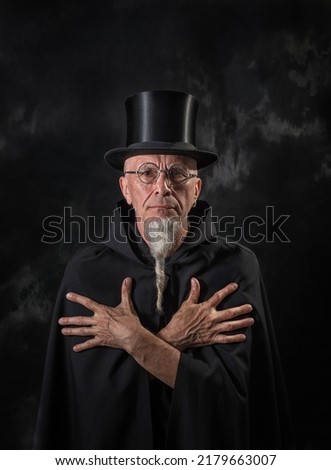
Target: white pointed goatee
point(162, 236)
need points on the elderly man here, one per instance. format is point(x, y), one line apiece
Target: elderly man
point(161, 313)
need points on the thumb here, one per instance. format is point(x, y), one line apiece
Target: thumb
point(126, 291)
point(194, 291)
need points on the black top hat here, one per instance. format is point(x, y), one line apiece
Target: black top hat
point(160, 122)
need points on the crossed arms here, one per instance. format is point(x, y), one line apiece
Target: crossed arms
point(195, 324)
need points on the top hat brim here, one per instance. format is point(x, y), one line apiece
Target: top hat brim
point(116, 157)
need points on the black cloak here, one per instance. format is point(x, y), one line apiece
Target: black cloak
point(225, 397)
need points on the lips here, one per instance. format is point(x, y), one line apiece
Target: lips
point(161, 207)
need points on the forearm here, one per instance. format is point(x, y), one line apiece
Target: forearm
point(155, 355)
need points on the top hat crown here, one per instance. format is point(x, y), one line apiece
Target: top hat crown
point(160, 122)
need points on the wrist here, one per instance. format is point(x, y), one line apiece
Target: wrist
point(134, 339)
point(167, 335)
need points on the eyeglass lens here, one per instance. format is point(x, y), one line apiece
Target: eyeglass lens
point(149, 173)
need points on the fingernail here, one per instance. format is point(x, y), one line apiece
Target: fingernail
point(69, 295)
point(234, 286)
point(195, 282)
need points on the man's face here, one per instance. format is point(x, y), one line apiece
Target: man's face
point(160, 199)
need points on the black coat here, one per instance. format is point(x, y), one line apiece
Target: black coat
point(225, 397)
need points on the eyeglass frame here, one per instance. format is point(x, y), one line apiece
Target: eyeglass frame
point(159, 170)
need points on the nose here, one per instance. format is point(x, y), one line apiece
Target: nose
point(162, 185)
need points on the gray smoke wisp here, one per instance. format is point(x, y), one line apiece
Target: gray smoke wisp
point(311, 66)
point(234, 167)
point(38, 119)
point(32, 303)
point(325, 168)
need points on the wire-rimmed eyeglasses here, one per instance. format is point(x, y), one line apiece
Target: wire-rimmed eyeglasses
point(149, 173)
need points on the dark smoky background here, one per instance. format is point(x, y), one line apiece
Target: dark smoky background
point(261, 70)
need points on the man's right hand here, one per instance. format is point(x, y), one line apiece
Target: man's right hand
point(201, 324)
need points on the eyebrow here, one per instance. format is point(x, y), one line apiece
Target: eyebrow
point(179, 164)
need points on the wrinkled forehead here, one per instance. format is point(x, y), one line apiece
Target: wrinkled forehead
point(162, 161)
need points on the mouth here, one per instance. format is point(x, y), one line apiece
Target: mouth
point(163, 206)
point(162, 209)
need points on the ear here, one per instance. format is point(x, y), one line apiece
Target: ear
point(123, 182)
point(197, 188)
point(197, 191)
